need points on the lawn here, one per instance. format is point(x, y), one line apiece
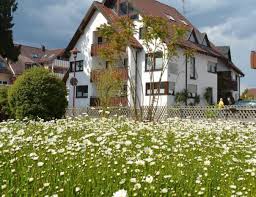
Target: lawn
point(118, 157)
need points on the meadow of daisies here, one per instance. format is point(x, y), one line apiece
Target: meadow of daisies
point(120, 158)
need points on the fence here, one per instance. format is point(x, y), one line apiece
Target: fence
point(162, 113)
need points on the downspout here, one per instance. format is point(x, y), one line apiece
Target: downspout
point(239, 88)
point(186, 80)
point(136, 78)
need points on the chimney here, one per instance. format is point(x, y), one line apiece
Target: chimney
point(43, 48)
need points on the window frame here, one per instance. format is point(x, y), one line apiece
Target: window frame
point(165, 85)
point(86, 86)
point(193, 66)
point(99, 40)
point(173, 93)
point(154, 63)
point(210, 64)
point(190, 94)
point(72, 65)
point(141, 33)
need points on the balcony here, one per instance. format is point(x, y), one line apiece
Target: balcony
point(58, 67)
point(120, 71)
point(115, 101)
point(95, 49)
point(225, 81)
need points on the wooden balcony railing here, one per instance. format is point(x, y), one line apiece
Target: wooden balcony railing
point(226, 82)
point(120, 71)
point(95, 49)
point(115, 101)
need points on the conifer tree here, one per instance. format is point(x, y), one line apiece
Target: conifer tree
point(7, 48)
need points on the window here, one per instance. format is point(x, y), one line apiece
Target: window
point(192, 68)
point(141, 33)
point(123, 8)
point(28, 66)
point(237, 78)
point(107, 64)
point(154, 62)
point(123, 92)
point(126, 8)
point(184, 22)
point(79, 66)
point(170, 17)
point(125, 62)
point(2, 65)
point(3, 82)
point(134, 17)
point(157, 88)
point(171, 88)
point(212, 67)
point(192, 91)
point(82, 91)
point(35, 55)
point(100, 40)
point(173, 68)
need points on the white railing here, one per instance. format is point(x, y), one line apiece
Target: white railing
point(60, 63)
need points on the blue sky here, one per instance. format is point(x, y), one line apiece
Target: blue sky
point(227, 22)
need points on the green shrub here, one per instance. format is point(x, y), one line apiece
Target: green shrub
point(5, 112)
point(38, 94)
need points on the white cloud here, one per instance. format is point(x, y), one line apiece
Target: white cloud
point(202, 6)
point(229, 33)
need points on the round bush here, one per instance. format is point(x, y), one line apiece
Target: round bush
point(38, 94)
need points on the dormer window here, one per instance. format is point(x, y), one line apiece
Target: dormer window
point(2, 65)
point(170, 17)
point(192, 37)
point(184, 22)
point(123, 8)
point(34, 55)
point(206, 41)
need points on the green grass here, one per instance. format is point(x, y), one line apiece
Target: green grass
point(98, 157)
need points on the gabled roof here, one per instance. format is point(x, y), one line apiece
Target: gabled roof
point(34, 55)
point(206, 40)
point(107, 13)
point(155, 8)
point(225, 50)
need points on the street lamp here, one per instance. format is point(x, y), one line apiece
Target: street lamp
point(74, 80)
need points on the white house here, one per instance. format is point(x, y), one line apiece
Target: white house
point(210, 69)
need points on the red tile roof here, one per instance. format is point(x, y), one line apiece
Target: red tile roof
point(107, 13)
point(155, 8)
point(34, 55)
point(252, 92)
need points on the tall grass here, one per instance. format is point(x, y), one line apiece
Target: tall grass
point(117, 157)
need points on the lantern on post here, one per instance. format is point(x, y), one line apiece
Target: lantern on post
point(73, 81)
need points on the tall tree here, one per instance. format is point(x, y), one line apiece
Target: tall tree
point(7, 48)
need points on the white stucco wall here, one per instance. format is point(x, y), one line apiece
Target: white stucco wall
point(203, 81)
point(84, 45)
